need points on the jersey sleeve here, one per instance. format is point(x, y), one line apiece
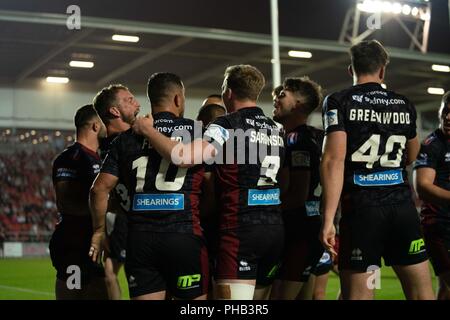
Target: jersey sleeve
point(111, 163)
point(333, 114)
point(218, 132)
point(65, 169)
point(298, 156)
point(428, 156)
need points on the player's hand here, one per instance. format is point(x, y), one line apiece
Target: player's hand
point(142, 124)
point(327, 237)
point(96, 246)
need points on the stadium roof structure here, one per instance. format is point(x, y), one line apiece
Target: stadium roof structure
point(198, 39)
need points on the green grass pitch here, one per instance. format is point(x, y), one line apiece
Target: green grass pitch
point(34, 279)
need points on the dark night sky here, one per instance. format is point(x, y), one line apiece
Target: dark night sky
point(321, 19)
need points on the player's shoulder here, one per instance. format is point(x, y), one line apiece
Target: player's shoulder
point(340, 95)
point(304, 134)
point(433, 140)
point(225, 121)
point(71, 153)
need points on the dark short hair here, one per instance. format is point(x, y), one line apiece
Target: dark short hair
point(215, 95)
point(104, 99)
point(207, 113)
point(444, 103)
point(245, 81)
point(160, 85)
point(83, 115)
point(276, 91)
point(309, 91)
point(446, 98)
point(368, 56)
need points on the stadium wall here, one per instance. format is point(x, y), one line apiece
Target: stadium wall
point(24, 249)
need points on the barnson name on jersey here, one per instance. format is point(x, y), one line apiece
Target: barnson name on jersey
point(386, 117)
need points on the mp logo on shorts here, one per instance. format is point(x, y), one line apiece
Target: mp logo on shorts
point(74, 280)
point(416, 246)
point(374, 280)
point(189, 282)
point(273, 272)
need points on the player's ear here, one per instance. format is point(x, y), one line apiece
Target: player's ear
point(227, 93)
point(177, 100)
point(96, 126)
point(382, 73)
point(114, 111)
point(350, 70)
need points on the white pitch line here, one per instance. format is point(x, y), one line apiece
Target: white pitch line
point(27, 290)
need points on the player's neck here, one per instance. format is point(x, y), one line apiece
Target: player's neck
point(241, 104)
point(367, 78)
point(90, 141)
point(293, 122)
point(115, 127)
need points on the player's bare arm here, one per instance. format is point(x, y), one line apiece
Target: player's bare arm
point(412, 150)
point(332, 179)
point(182, 155)
point(98, 203)
point(424, 181)
point(208, 198)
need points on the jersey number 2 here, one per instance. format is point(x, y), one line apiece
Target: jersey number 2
point(270, 164)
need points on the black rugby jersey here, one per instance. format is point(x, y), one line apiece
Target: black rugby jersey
point(435, 153)
point(251, 152)
point(77, 163)
point(158, 195)
point(105, 144)
point(378, 123)
point(303, 152)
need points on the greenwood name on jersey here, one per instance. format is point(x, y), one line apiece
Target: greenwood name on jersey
point(435, 153)
point(303, 152)
point(378, 124)
point(158, 195)
point(251, 151)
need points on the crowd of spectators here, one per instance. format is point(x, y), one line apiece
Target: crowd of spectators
point(27, 201)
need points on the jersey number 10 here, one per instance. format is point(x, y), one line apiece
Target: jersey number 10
point(160, 182)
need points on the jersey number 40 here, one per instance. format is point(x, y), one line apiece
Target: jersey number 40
point(368, 152)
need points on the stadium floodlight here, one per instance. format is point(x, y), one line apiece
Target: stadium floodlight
point(57, 79)
point(387, 7)
point(437, 91)
point(124, 38)
point(376, 14)
point(440, 68)
point(300, 54)
point(81, 64)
